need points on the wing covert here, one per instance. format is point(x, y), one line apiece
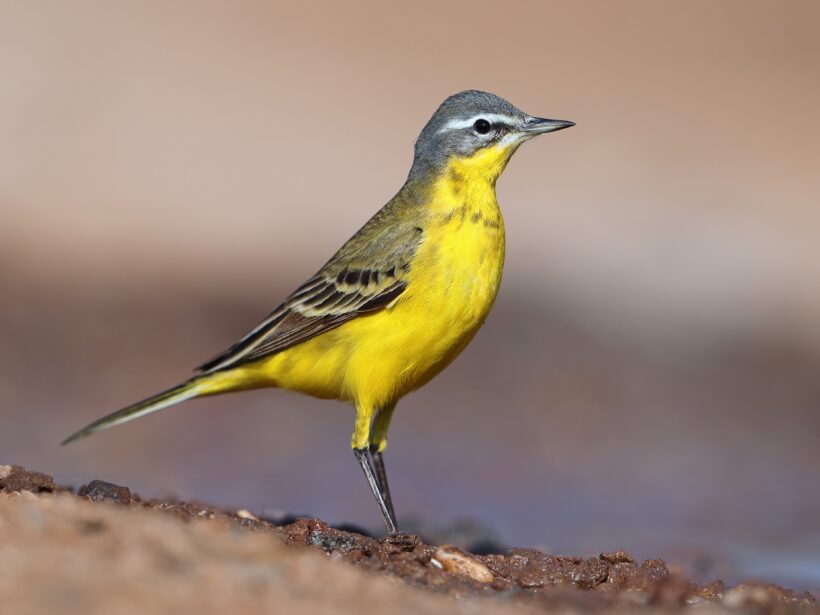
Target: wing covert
point(367, 274)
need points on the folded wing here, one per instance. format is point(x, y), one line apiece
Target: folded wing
point(367, 274)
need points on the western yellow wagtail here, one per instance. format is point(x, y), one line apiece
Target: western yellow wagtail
point(399, 301)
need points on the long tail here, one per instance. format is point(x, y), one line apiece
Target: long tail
point(187, 390)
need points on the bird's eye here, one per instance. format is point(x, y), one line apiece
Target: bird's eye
point(482, 126)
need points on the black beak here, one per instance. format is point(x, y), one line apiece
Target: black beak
point(539, 125)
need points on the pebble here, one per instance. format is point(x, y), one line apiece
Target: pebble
point(99, 490)
point(16, 479)
point(455, 561)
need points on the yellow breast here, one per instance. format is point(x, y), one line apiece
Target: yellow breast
point(454, 278)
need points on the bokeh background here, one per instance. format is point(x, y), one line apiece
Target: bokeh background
point(649, 377)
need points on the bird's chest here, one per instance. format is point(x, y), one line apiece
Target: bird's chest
point(460, 265)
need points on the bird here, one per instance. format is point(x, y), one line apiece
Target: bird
point(398, 301)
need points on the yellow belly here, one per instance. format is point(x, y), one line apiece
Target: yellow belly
point(454, 282)
point(374, 360)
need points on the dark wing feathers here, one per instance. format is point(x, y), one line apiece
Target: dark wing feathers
point(367, 274)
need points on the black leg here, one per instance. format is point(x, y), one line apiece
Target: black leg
point(363, 457)
point(381, 479)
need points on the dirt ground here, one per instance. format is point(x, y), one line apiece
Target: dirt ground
point(103, 549)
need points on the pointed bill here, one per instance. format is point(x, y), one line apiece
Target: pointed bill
point(539, 125)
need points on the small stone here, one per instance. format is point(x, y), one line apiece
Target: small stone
point(456, 561)
point(713, 591)
point(99, 491)
point(244, 513)
point(618, 557)
point(16, 479)
point(401, 542)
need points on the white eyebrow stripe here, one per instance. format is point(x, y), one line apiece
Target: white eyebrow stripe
point(493, 118)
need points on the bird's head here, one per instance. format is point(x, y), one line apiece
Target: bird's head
point(477, 129)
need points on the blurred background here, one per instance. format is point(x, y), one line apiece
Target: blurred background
point(649, 378)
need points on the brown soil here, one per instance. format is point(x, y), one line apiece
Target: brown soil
point(104, 549)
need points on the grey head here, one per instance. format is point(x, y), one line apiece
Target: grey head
point(473, 120)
